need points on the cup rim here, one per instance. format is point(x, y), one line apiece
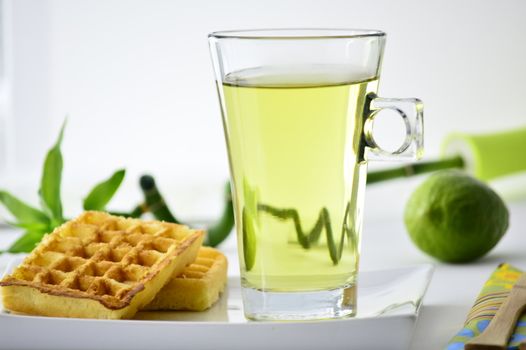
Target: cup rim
point(297, 33)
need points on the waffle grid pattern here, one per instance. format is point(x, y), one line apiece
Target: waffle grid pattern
point(99, 256)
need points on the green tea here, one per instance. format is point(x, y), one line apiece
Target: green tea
point(296, 158)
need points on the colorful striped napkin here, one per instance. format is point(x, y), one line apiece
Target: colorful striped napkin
point(495, 290)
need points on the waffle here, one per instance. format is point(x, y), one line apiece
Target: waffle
point(99, 266)
point(198, 287)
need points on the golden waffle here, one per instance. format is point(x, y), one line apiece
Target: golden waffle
point(198, 287)
point(99, 266)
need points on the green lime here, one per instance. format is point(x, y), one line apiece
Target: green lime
point(454, 217)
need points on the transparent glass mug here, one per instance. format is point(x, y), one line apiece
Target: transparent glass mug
point(298, 111)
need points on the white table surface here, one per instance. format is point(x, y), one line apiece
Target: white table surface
point(453, 288)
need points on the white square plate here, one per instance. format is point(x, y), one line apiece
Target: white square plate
point(388, 305)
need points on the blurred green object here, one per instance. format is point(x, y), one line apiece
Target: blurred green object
point(489, 156)
point(485, 156)
point(220, 230)
point(154, 203)
point(455, 217)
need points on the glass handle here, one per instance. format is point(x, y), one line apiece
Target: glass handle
point(412, 112)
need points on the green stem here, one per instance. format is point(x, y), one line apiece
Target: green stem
point(155, 201)
point(135, 213)
point(218, 232)
point(305, 239)
point(415, 169)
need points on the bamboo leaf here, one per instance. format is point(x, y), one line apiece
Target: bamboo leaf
point(222, 228)
point(155, 201)
point(51, 180)
point(24, 213)
point(27, 242)
point(102, 193)
point(33, 226)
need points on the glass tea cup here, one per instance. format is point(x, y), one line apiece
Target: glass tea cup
point(298, 108)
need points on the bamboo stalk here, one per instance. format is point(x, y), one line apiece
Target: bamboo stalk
point(415, 169)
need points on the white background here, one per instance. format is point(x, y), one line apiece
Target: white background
point(136, 82)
